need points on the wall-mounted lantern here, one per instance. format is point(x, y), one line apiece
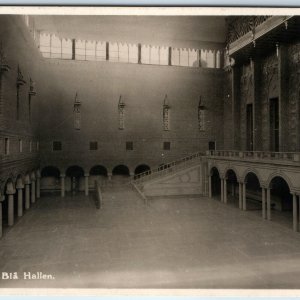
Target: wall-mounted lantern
point(77, 113)
point(31, 93)
point(201, 115)
point(121, 110)
point(166, 114)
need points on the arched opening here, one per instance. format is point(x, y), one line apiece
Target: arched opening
point(74, 179)
point(253, 192)
point(50, 179)
point(97, 173)
point(232, 188)
point(120, 174)
point(141, 169)
point(215, 183)
point(281, 201)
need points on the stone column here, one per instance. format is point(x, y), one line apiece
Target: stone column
point(240, 195)
point(38, 184)
point(269, 204)
point(225, 190)
point(33, 188)
point(62, 185)
point(222, 185)
point(244, 204)
point(1, 200)
point(27, 195)
point(209, 187)
point(10, 191)
point(295, 213)
point(20, 187)
point(86, 184)
point(263, 202)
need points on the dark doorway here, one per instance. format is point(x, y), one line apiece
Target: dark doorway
point(249, 127)
point(212, 145)
point(215, 183)
point(274, 125)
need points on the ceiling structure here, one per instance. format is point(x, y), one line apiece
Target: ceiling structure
point(181, 31)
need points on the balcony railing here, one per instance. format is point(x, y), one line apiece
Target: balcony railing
point(168, 168)
point(256, 155)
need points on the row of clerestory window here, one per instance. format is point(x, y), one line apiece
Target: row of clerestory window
point(52, 46)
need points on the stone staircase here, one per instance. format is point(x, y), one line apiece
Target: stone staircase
point(167, 169)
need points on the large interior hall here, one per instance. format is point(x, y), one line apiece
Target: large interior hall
point(150, 151)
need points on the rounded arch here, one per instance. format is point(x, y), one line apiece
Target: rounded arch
point(9, 186)
point(141, 169)
point(229, 171)
point(279, 175)
point(214, 169)
point(50, 171)
point(98, 170)
point(120, 170)
point(75, 171)
point(251, 171)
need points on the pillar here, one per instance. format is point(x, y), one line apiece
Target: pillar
point(244, 204)
point(86, 184)
point(1, 199)
point(268, 204)
point(10, 209)
point(33, 191)
point(27, 195)
point(20, 200)
point(109, 176)
point(209, 187)
point(225, 190)
point(222, 190)
point(240, 195)
point(62, 185)
point(38, 185)
point(295, 213)
point(263, 202)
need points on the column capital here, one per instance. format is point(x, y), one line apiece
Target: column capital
point(62, 175)
point(10, 190)
point(38, 174)
point(86, 174)
point(32, 176)
point(20, 185)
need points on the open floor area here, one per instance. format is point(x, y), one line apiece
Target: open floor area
point(170, 242)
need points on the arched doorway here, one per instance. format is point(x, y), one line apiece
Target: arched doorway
point(50, 179)
point(120, 174)
point(281, 201)
point(97, 173)
point(253, 192)
point(74, 179)
point(141, 169)
point(232, 188)
point(215, 183)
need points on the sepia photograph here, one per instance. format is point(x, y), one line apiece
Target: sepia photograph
point(149, 148)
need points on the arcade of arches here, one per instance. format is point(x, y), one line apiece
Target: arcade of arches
point(76, 131)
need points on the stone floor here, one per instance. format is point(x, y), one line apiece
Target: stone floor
point(181, 242)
